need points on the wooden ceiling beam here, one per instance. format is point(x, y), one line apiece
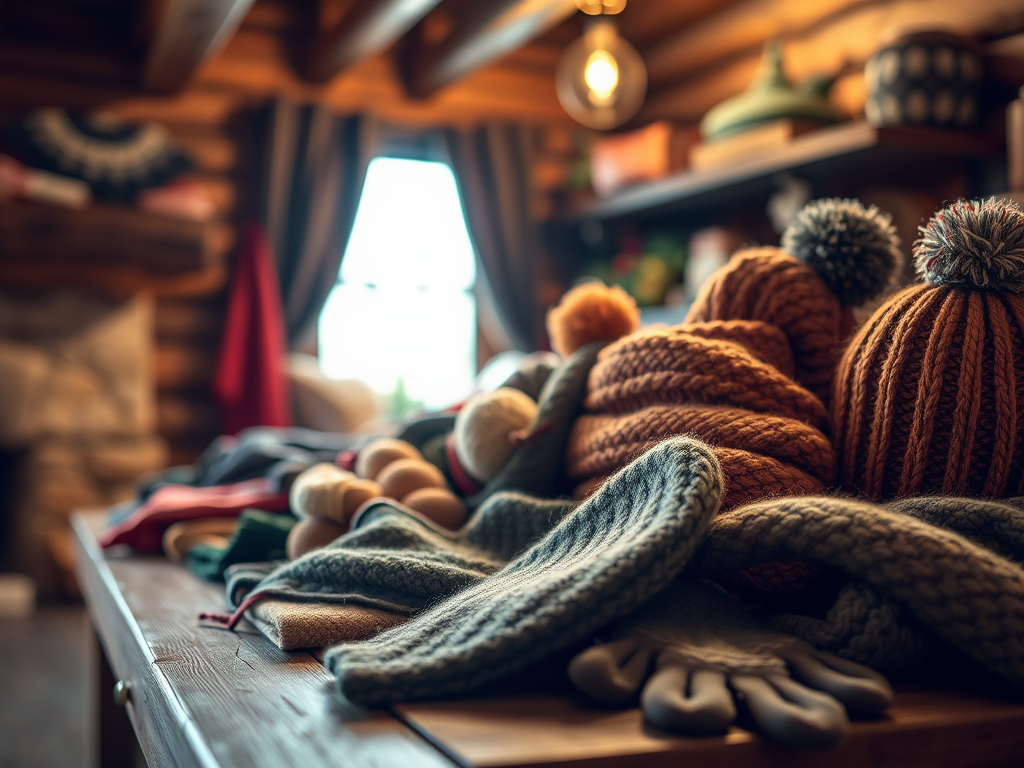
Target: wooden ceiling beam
point(188, 33)
point(482, 33)
point(368, 28)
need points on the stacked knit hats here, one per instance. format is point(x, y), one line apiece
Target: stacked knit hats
point(929, 396)
point(750, 369)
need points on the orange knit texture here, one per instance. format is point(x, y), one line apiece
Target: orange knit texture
point(928, 396)
point(769, 285)
point(648, 369)
point(703, 379)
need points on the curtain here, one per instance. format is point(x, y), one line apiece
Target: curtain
point(492, 165)
point(315, 165)
point(250, 384)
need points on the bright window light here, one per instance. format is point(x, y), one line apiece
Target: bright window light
point(402, 317)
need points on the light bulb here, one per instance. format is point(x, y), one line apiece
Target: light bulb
point(601, 75)
point(601, 79)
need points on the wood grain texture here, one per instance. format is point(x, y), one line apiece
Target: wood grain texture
point(184, 320)
point(483, 33)
point(933, 728)
point(182, 367)
point(187, 416)
point(689, 84)
point(368, 28)
point(210, 697)
point(829, 151)
point(189, 33)
point(738, 28)
point(116, 281)
point(108, 234)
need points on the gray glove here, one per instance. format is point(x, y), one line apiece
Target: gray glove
point(696, 653)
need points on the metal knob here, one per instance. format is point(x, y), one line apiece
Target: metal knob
point(121, 692)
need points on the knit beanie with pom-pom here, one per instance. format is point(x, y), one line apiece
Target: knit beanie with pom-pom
point(836, 255)
point(929, 395)
point(744, 371)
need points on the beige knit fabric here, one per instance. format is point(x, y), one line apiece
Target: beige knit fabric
point(292, 625)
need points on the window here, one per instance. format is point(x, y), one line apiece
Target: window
point(402, 317)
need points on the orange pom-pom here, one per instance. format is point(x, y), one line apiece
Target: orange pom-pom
point(591, 312)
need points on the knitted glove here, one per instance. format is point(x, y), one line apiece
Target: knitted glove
point(696, 653)
point(616, 550)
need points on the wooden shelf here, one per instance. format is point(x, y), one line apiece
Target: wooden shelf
point(32, 234)
point(848, 146)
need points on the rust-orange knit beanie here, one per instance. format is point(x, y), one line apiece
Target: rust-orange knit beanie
point(929, 396)
point(835, 256)
point(741, 372)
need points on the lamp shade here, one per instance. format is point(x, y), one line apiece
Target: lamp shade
point(601, 79)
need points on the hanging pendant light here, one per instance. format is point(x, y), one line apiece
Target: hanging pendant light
point(601, 79)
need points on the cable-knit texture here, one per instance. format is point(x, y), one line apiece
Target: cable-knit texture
point(965, 593)
point(615, 551)
point(398, 561)
point(702, 379)
point(928, 396)
point(912, 582)
point(771, 286)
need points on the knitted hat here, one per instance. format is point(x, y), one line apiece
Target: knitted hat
point(737, 373)
point(835, 256)
point(930, 394)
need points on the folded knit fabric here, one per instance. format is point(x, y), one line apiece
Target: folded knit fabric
point(293, 626)
point(750, 370)
point(836, 255)
point(398, 561)
point(700, 379)
point(868, 626)
point(616, 550)
point(966, 594)
point(771, 286)
point(909, 579)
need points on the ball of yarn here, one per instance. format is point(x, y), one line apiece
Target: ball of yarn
point(852, 248)
point(378, 454)
point(482, 428)
point(440, 505)
point(400, 478)
point(312, 533)
point(591, 312)
point(976, 243)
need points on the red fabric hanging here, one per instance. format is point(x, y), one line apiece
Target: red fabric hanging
point(250, 383)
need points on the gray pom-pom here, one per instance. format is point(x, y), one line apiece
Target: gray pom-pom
point(974, 242)
point(852, 248)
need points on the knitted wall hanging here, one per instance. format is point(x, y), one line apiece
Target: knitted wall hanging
point(115, 158)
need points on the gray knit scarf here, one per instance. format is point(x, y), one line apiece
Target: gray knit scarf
point(907, 573)
point(925, 574)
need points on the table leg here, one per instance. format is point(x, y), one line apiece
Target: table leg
point(117, 743)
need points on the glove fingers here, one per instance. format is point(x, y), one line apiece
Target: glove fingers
point(695, 703)
point(611, 672)
point(791, 713)
point(855, 686)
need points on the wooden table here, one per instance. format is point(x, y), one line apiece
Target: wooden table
point(205, 696)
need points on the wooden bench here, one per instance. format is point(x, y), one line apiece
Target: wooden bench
point(204, 696)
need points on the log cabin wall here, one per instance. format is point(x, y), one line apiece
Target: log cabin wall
point(74, 54)
point(89, 54)
point(694, 68)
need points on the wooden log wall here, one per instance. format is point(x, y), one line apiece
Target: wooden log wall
point(698, 66)
point(92, 61)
